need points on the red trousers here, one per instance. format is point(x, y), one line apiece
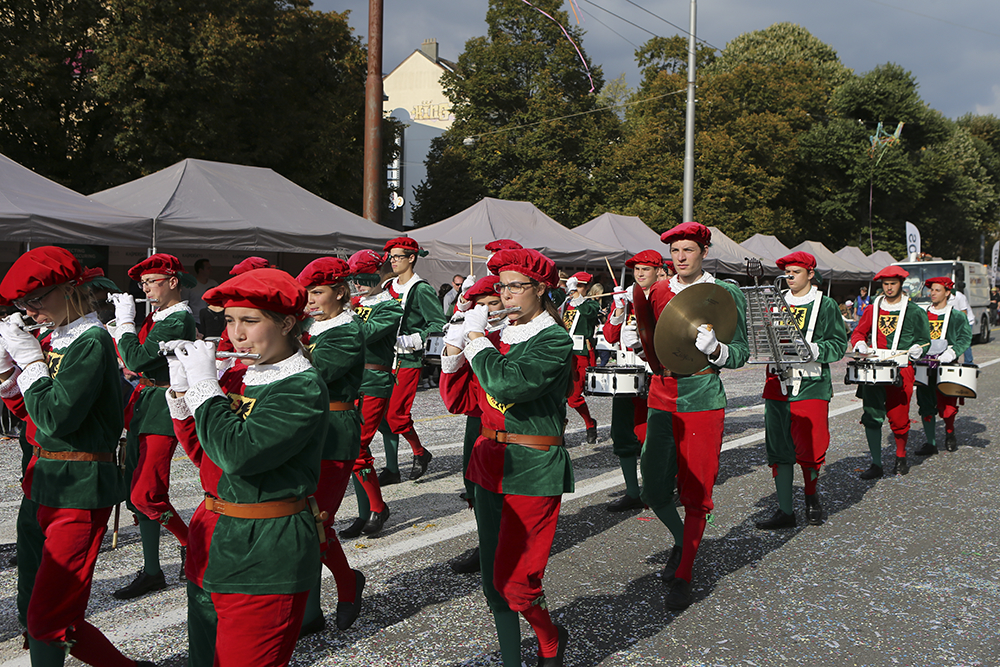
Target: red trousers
point(579, 378)
point(373, 411)
point(151, 483)
point(401, 401)
point(333, 479)
point(894, 402)
point(258, 630)
point(797, 432)
point(686, 445)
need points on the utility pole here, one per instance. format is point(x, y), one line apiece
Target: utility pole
point(689, 126)
point(373, 173)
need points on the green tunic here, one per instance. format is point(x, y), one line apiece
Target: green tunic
point(422, 315)
point(338, 355)
point(959, 337)
point(590, 312)
point(380, 320)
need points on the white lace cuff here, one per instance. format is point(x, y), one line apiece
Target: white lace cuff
point(476, 346)
point(178, 407)
point(9, 388)
point(200, 393)
point(576, 301)
point(31, 374)
point(617, 319)
point(453, 363)
point(723, 356)
point(122, 329)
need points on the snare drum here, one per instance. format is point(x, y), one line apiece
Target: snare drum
point(958, 380)
point(923, 373)
point(616, 381)
point(434, 348)
point(873, 372)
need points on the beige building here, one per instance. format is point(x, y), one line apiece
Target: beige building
point(414, 96)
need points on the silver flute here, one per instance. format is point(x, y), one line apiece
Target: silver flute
point(43, 325)
point(110, 300)
point(218, 355)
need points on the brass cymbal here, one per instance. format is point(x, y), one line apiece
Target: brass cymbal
point(677, 327)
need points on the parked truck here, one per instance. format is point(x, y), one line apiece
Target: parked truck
point(971, 278)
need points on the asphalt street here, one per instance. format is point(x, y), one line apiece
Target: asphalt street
point(904, 571)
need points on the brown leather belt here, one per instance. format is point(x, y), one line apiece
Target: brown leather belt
point(340, 406)
point(711, 370)
point(101, 457)
point(146, 382)
point(377, 367)
point(540, 442)
point(270, 510)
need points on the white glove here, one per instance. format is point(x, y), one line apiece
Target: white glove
point(454, 333)
point(706, 341)
point(571, 284)
point(938, 345)
point(22, 347)
point(948, 356)
point(630, 336)
point(198, 359)
point(468, 283)
point(915, 352)
point(476, 320)
point(814, 348)
point(6, 362)
point(410, 341)
point(861, 347)
point(178, 377)
point(124, 308)
point(621, 299)
point(463, 304)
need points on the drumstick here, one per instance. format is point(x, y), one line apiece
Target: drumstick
point(611, 271)
point(598, 296)
point(470, 255)
point(471, 271)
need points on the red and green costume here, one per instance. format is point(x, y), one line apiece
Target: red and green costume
point(954, 328)
point(580, 318)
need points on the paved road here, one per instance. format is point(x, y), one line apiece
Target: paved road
point(903, 573)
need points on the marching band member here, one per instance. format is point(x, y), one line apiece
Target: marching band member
point(258, 436)
point(248, 264)
point(337, 347)
point(684, 428)
point(519, 465)
point(151, 442)
point(580, 317)
point(796, 417)
point(891, 323)
point(953, 328)
point(73, 403)
point(421, 315)
point(628, 413)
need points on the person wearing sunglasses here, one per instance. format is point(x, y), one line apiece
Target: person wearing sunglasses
point(151, 441)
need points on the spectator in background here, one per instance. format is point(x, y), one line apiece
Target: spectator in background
point(193, 295)
point(862, 302)
point(448, 300)
point(850, 316)
point(994, 299)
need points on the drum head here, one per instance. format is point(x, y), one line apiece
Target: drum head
point(955, 389)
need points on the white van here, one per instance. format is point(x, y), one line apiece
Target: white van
point(970, 278)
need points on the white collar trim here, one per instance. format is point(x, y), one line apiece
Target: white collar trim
point(676, 286)
point(932, 309)
point(160, 315)
point(316, 328)
point(512, 335)
point(808, 297)
point(258, 374)
point(378, 298)
point(64, 336)
point(891, 308)
point(404, 289)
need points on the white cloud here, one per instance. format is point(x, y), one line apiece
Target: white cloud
point(992, 107)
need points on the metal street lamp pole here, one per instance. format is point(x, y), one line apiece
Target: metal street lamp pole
point(689, 126)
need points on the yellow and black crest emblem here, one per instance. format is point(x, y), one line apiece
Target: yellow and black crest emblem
point(241, 405)
point(630, 320)
point(936, 326)
point(364, 312)
point(54, 361)
point(498, 406)
point(311, 347)
point(887, 323)
point(800, 313)
point(568, 316)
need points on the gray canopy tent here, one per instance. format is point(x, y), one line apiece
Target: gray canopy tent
point(491, 219)
point(726, 256)
point(214, 205)
point(625, 231)
point(881, 259)
point(853, 255)
point(831, 267)
point(766, 246)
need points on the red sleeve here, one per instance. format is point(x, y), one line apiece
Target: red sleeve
point(185, 432)
point(861, 331)
point(16, 405)
point(460, 391)
point(613, 332)
point(659, 295)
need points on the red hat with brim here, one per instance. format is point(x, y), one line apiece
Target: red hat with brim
point(264, 289)
point(945, 282)
point(483, 287)
point(646, 258)
point(503, 244)
point(803, 259)
point(583, 277)
point(406, 243)
point(324, 271)
point(891, 272)
point(528, 262)
point(366, 261)
point(670, 265)
point(249, 264)
point(46, 266)
point(688, 231)
point(164, 265)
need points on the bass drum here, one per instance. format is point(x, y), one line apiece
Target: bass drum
point(958, 380)
point(616, 381)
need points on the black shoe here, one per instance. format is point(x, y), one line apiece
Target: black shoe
point(182, 577)
point(679, 596)
point(814, 510)
point(144, 663)
point(388, 478)
point(420, 465)
point(13, 561)
point(626, 503)
point(142, 584)
point(467, 565)
point(347, 612)
point(376, 521)
point(902, 467)
point(778, 521)
point(354, 529)
point(592, 435)
point(950, 442)
point(673, 562)
point(927, 450)
point(318, 624)
point(560, 656)
point(873, 472)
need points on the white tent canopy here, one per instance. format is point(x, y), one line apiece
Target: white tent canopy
point(214, 205)
point(35, 210)
point(881, 259)
point(624, 231)
point(853, 255)
point(832, 267)
point(729, 257)
point(766, 246)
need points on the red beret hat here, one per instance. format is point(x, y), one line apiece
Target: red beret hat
point(891, 272)
point(406, 243)
point(527, 261)
point(670, 265)
point(503, 244)
point(263, 289)
point(160, 263)
point(583, 277)
point(646, 258)
point(324, 271)
point(947, 283)
point(249, 264)
point(799, 258)
point(46, 266)
point(688, 231)
point(482, 287)
point(366, 261)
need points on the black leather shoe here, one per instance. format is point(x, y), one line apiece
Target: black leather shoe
point(558, 660)
point(182, 577)
point(318, 624)
point(354, 529)
point(902, 467)
point(673, 562)
point(679, 596)
point(814, 510)
point(420, 465)
point(467, 565)
point(950, 442)
point(142, 584)
point(347, 612)
point(592, 435)
point(144, 663)
point(927, 450)
point(778, 521)
point(376, 521)
point(388, 478)
point(873, 472)
point(626, 503)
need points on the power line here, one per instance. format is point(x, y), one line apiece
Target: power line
point(622, 18)
point(671, 24)
point(934, 18)
point(610, 28)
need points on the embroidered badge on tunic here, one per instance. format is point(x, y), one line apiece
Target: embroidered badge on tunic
point(887, 323)
point(568, 317)
point(800, 316)
point(936, 326)
point(630, 320)
point(364, 312)
point(497, 405)
point(54, 362)
point(241, 405)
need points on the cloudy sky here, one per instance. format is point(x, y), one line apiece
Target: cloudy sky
point(952, 48)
